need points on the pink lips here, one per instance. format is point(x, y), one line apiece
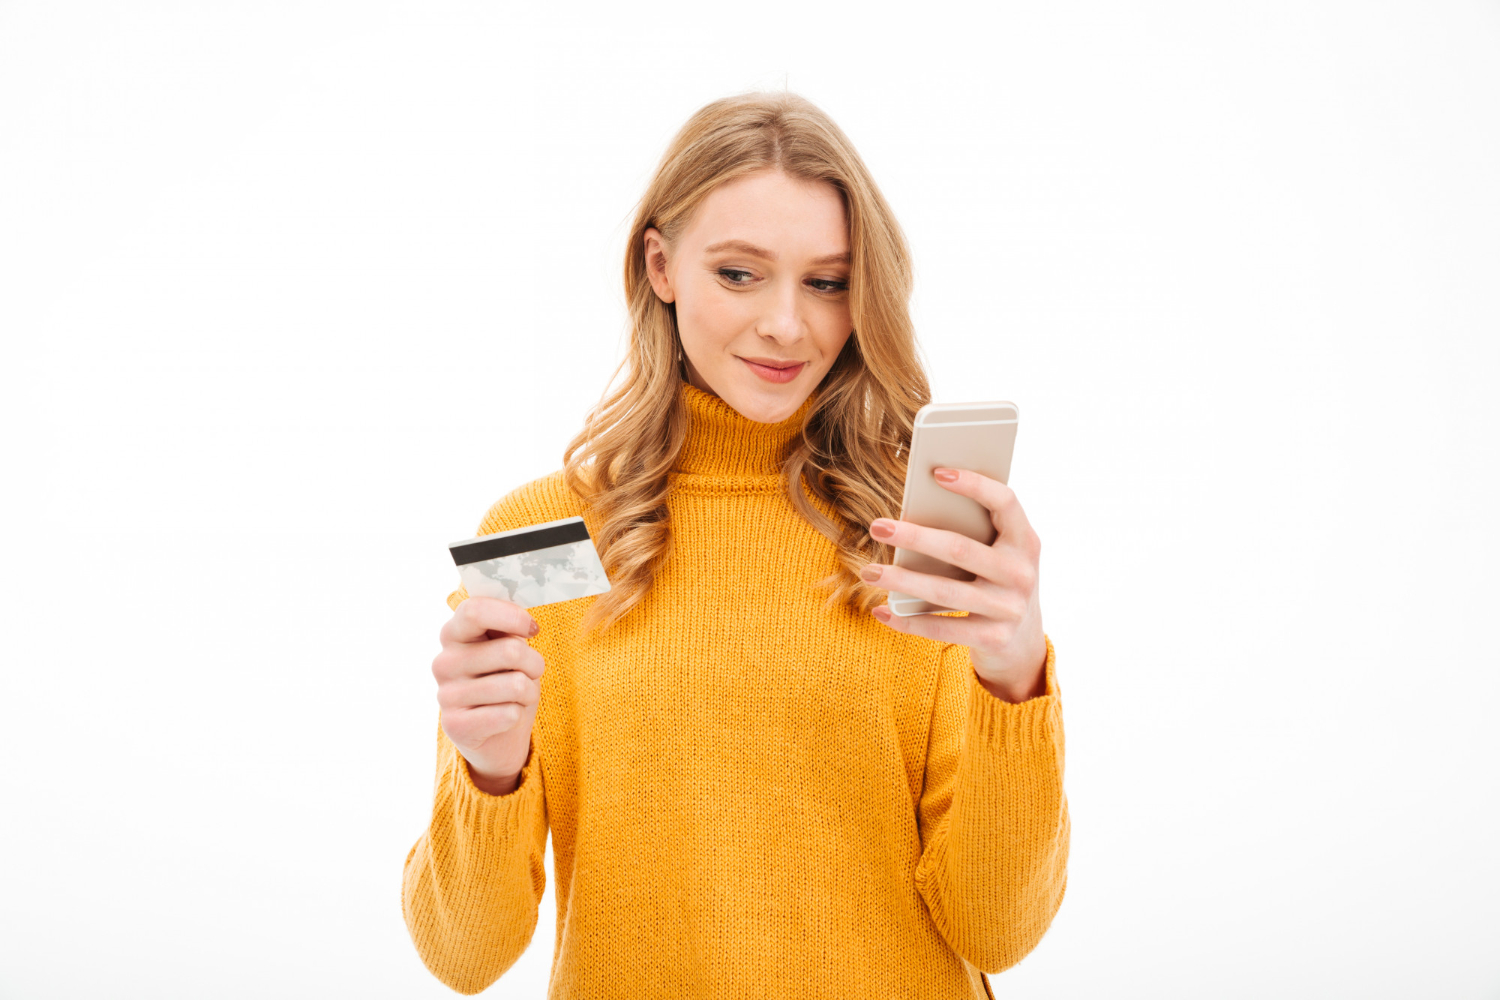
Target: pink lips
point(775, 374)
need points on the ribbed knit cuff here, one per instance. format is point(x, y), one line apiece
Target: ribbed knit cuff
point(1017, 726)
point(485, 814)
point(456, 598)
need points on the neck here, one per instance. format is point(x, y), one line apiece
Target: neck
point(723, 442)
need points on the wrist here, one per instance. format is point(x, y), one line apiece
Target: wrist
point(1013, 686)
point(493, 784)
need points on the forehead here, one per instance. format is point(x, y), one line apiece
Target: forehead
point(789, 215)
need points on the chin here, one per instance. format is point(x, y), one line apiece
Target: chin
point(767, 407)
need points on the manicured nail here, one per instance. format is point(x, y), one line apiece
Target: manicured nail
point(870, 573)
point(945, 475)
point(882, 527)
point(882, 612)
point(536, 626)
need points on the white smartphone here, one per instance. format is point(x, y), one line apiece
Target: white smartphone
point(979, 437)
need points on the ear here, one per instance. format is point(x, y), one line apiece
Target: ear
point(656, 265)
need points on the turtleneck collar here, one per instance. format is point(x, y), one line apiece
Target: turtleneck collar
point(722, 442)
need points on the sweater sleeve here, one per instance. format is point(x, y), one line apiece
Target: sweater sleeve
point(473, 883)
point(474, 880)
point(993, 815)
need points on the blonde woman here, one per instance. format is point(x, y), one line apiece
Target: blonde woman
point(758, 783)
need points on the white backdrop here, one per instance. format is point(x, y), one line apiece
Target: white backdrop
point(291, 292)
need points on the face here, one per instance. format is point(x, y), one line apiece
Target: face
point(760, 277)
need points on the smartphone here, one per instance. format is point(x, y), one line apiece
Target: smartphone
point(979, 437)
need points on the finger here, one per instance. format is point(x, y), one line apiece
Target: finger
point(476, 616)
point(949, 546)
point(940, 627)
point(1010, 570)
point(478, 659)
point(511, 687)
point(470, 727)
point(999, 499)
point(950, 593)
point(509, 652)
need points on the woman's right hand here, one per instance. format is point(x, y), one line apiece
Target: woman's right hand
point(489, 685)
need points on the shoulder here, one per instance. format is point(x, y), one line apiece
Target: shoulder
point(536, 502)
point(544, 499)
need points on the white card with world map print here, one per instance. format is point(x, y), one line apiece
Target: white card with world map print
point(534, 565)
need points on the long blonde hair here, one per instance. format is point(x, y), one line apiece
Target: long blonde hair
point(851, 454)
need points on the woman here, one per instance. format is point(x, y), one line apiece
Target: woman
point(757, 781)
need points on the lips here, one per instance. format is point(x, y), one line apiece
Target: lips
point(772, 370)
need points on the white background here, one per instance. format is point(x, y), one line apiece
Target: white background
point(291, 292)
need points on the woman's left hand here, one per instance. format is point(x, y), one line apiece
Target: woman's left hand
point(1003, 629)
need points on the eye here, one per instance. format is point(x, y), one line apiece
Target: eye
point(735, 276)
point(828, 285)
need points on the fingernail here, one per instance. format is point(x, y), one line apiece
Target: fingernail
point(882, 527)
point(870, 573)
point(945, 475)
point(536, 626)
point(882, 612)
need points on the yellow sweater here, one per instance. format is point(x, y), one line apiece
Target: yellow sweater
point(749, 795)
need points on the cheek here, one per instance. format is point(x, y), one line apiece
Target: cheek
point(707, 315)
point(832, 327)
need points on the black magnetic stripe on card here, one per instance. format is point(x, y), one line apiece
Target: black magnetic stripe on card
point(525, 541)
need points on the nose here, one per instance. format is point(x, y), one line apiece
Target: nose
point(782, 318)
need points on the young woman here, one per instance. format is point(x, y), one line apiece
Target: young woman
point(758, 782)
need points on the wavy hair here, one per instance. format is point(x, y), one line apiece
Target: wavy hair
point(851, 456)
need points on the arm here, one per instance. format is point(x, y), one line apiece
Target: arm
point(993, 815)
point(473, 882)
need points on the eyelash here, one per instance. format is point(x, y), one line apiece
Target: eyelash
point(838, 286)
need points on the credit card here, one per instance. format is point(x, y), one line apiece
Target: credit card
point(530, 566)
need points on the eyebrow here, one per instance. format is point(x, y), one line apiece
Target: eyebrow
point(752, 250)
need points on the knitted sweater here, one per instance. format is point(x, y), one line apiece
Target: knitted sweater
point(749, 795)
